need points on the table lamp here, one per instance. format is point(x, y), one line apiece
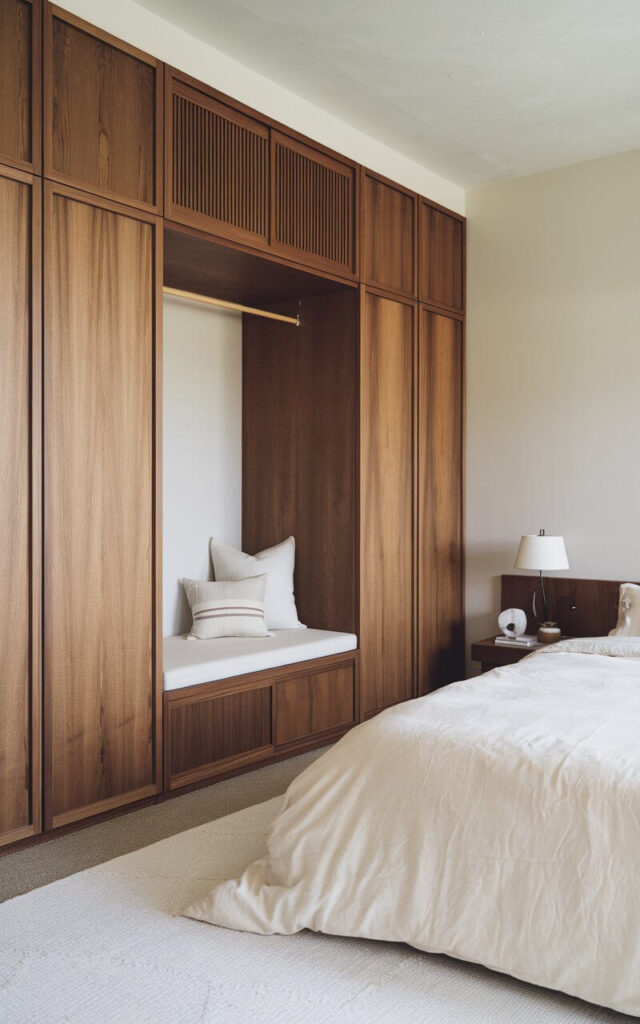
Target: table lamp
point(542, 553)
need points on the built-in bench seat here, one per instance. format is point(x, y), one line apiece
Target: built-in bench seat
point(191, 662)
point(232, 703)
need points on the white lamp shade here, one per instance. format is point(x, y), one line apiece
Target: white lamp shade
point(541, 553)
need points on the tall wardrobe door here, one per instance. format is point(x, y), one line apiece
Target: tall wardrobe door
point(19, 507)
point(100, 690)
point(386, 467)
point(440, 622)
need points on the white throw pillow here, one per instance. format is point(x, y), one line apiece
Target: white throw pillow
point(226, 609)
point(628, 623)
point(277, 563)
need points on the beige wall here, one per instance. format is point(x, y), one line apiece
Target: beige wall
point(553, 374)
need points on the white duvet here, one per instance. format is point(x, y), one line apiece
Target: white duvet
point(497, 821)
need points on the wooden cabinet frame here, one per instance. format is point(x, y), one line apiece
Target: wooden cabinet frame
point(35, 503)
point(50, 13)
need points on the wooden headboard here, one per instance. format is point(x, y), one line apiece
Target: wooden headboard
point(580, 607)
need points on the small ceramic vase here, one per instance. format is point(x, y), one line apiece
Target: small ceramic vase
point(548, 632)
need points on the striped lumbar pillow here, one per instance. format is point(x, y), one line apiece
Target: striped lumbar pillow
point(232, 608)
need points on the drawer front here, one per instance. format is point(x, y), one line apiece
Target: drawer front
point(313, 704)
point(218, 728)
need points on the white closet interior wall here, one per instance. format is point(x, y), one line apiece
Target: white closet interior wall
point(202, 445)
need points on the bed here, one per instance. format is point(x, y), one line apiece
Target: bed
point(496, 821)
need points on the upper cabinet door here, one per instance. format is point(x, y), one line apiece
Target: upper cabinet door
point(388, 235)
point(19, 506)
point(102, 113)
point(217, 165)
point(441, 258)
point(20, 63)
point(313, 206)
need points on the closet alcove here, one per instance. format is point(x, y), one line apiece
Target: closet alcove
point(296, 444)
point(299, 416)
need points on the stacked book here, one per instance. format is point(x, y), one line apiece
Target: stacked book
point(526, 640)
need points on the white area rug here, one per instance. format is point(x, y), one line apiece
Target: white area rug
point(107, 946)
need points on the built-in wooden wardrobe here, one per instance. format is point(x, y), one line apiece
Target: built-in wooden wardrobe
point(411, 426)
point(119, 175)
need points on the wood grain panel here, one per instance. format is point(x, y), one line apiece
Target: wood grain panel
point(102, 113)
point(439, 613)
point(441, 258)
point(580, 607)
point(217, 175)
point(386, 469)
point(314, 704)
point(99, 528)
point(20, 70)
point(313, 205)
point(19, 510)
point(388, 235)
point(205, 731)
point(299, 464)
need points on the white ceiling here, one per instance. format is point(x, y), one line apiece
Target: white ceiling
point(476, 90)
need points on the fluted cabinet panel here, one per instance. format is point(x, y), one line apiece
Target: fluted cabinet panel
point(219, 166)
point(313, 205)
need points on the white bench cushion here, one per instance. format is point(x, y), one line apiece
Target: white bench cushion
point(189, 662)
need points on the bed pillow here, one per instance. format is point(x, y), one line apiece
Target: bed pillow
point(277, 564)
point(628, 623)
point(612, 646)
point(227, 608)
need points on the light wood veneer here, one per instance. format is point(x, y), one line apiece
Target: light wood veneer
point(19, 506)
point(99, 505)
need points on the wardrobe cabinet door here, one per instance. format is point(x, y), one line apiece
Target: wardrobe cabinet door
point(99, 371)
point(217, 166)
point(20, 70)
point(386, 493)
point(388, 235)
point(440, 622)
point(19, 507)
point(313, 206)
point(441, 258)
point(102, 113)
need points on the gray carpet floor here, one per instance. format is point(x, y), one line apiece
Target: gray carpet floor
point(38, 865)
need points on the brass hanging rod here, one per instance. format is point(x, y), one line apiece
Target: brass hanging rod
point(225, 304)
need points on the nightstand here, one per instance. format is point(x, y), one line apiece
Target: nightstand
point(490, 654)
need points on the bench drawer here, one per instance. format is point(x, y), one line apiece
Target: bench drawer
point(315, 703)
point(207, 731)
